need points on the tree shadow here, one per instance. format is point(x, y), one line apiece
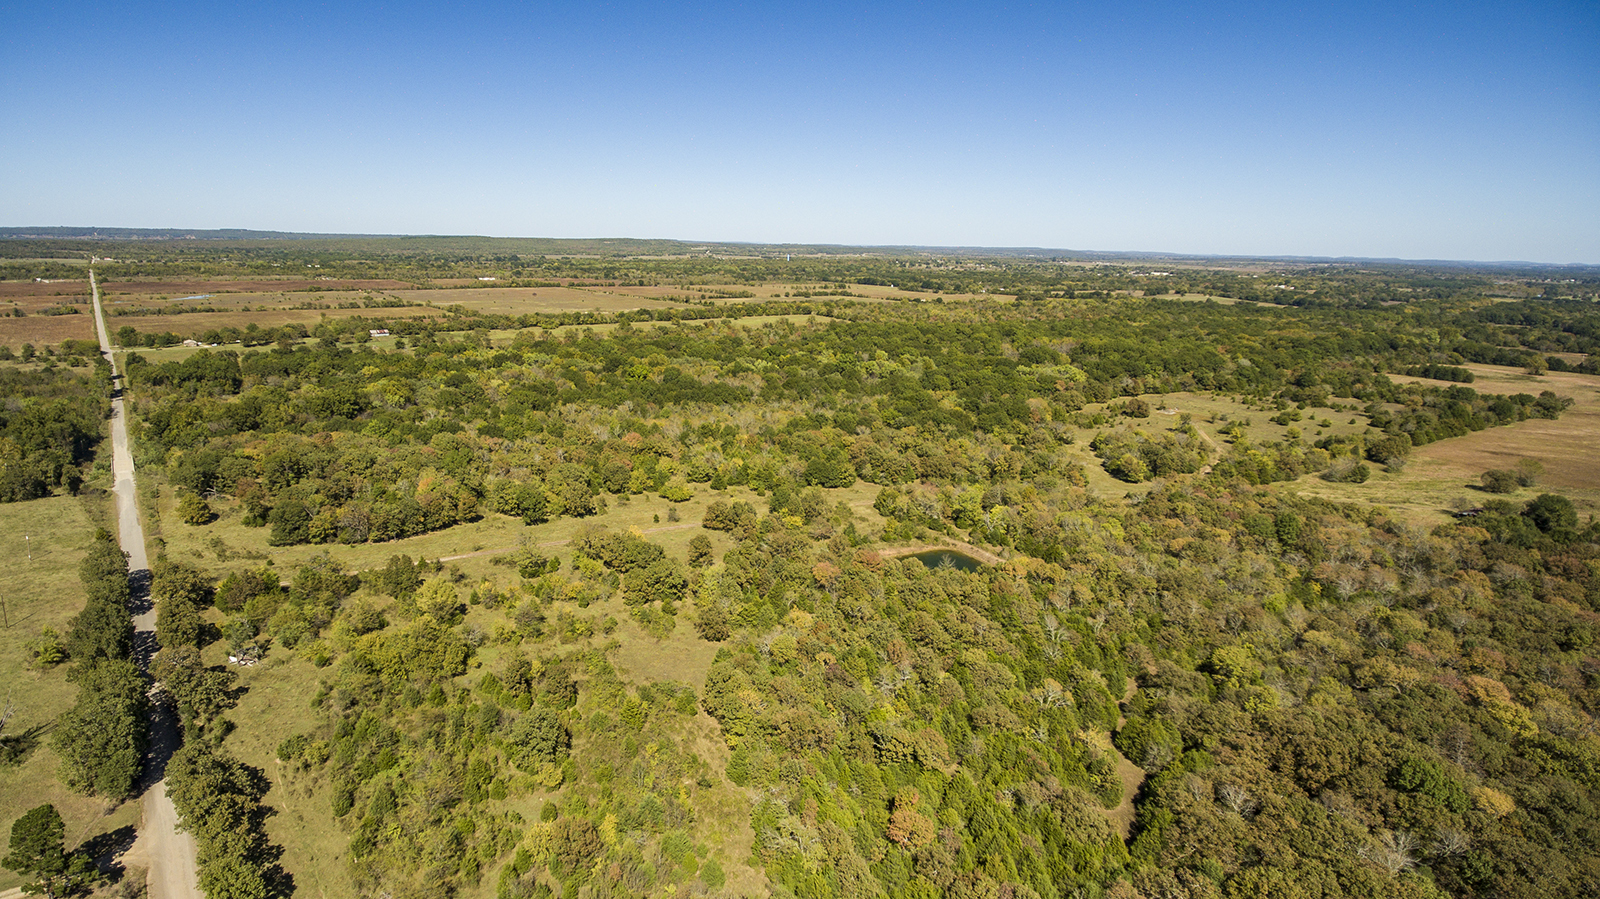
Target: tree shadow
point(15, 749)
point(107, 849)
point(165, 739)
point(139, 600)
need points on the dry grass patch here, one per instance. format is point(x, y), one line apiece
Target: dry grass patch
point(29, 294)
point(533, 300)
point(311, 286)
point(43, 330)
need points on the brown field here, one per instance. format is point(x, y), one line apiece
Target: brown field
point(37, 329)
point(527, 300)
point(41, 330)
point(259, 285)
point(195, 323)
point(230, 299)
point(18, 290)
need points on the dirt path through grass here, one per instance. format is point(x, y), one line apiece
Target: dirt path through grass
point(166, 852)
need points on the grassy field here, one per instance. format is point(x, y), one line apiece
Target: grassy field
point(39, 592)
point(1445, 475)
point(1440, 477)
point(275, 703)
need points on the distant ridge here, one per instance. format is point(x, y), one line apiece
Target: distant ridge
point(57, 233)
point(624, 247)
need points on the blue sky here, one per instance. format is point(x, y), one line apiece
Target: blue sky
point(1459, 130)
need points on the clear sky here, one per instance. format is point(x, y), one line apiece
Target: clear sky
point(1448, 130)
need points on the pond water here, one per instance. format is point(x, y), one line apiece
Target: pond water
point(939, 558)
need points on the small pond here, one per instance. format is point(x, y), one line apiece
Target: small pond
point(940, 558)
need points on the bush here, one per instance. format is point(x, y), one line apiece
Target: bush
point(193, 510)
point(1498, 480)
point(1347, 471)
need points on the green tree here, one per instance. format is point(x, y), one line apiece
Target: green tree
point(101, 738)
point(1551, 513)
point(538, 737)
point(37, 852)
point(194, 510)
point(700, 553)
point(1499, 480)
point(291, 523)
point(202, 693)
point(661, 581)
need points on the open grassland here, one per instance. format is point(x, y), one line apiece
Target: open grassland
point(1444, 476)
point(1565, 447)
point(44, 592)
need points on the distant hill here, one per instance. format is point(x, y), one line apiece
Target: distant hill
point(629, 247)
point(56, 233)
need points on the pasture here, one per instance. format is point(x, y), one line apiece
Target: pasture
point(1445, 475)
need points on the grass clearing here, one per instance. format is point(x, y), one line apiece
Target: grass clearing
point(39, 592)
point(275, 702)
point(469, 547)
point(1210, 414)
point(1443, 475)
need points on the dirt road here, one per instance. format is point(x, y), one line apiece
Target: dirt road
point(168, 853)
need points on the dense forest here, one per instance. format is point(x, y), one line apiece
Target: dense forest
point(1304, 698)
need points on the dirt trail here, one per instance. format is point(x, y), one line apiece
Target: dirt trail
point(167, 853)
